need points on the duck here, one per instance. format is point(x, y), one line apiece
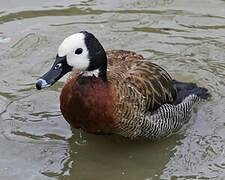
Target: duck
point(118, 92)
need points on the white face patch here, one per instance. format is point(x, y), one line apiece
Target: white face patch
point(68, 48)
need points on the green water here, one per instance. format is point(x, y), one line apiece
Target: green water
point(185, 37)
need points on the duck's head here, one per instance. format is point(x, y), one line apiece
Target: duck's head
point(78, 52)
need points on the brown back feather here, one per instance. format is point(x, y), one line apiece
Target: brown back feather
point(149, 79)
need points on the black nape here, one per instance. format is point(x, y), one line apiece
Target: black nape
point(97, 55)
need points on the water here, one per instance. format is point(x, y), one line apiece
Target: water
point(185, 37)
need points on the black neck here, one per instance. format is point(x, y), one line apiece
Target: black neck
point(103, 72)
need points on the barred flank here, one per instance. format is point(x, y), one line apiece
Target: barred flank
point(164, 121)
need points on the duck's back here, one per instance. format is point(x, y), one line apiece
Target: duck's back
point(138, 80)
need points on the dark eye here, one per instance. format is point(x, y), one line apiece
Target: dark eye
point(57, 66)
point(79, 51)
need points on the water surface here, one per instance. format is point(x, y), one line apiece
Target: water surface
point(185, 37)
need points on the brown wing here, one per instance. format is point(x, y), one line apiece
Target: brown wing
point(118, 56)
point(145, 78)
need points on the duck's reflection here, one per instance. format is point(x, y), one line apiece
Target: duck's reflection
point(86, 156)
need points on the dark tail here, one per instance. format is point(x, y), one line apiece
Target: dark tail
point(185, 89)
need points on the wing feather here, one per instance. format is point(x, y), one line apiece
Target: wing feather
point(149, 79)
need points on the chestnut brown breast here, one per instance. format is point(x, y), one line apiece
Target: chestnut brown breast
point(87, 103)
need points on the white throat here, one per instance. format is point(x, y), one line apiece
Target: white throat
point(91, 73)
